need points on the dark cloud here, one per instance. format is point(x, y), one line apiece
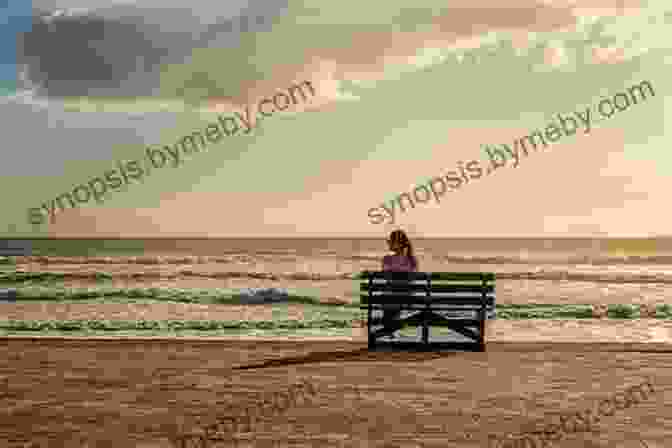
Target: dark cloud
point(117, 51)
point(75, 55)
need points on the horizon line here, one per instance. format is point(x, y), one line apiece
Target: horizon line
point(382, 235)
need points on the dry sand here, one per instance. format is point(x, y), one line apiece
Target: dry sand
point(139, 392)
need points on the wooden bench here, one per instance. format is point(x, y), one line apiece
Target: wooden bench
point(456, 300)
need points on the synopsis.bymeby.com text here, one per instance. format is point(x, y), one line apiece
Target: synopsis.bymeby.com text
point(499, 155)
point(154, 157)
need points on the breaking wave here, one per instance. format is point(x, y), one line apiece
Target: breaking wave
point(533, 274)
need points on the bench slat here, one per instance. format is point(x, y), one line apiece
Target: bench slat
point(421, 306)
point(415, 287)
point(451, 300)
point(434, 322)
point(434, 276)
point(436, 345)
point(448, 321)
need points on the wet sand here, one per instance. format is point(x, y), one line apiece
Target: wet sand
point(324, 278)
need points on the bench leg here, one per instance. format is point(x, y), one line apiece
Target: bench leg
point(425, 329)
point(481, 342)
point(483, 326)
point(370, 338)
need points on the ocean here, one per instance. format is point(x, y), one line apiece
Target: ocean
point(528, 270)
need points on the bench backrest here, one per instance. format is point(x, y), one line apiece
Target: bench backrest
point(450, 288)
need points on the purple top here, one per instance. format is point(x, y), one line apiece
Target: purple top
point(399, 263)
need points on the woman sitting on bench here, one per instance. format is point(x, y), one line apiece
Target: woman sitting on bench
point(403, 260)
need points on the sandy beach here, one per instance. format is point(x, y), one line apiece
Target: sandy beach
point(142, 392)
point(97, 391)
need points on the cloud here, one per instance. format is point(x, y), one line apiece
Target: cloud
point(72, 54)
point(116, 50)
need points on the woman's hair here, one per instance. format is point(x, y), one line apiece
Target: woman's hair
point(399, 236)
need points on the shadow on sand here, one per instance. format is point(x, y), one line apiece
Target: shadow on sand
point(384, 354)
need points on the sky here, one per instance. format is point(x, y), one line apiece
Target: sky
point(402, 95)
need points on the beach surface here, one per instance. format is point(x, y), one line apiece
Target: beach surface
point(143, 392)
point(110, 390)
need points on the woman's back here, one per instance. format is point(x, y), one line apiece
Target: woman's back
point(400, 263)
